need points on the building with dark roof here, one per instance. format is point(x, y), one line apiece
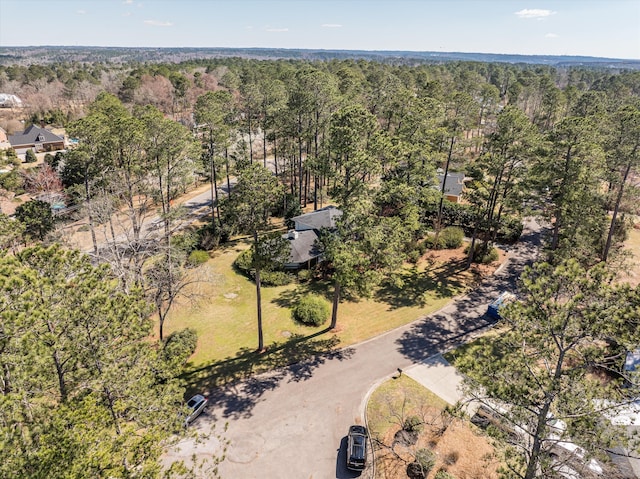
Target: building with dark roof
point(37, 139)
point(303, 239)
point(453, 187)
point(316, 220)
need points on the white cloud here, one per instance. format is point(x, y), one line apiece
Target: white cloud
point(158, 23)
point(331, 25)
point(81, 12)
point(534, 13)
point(551, 35)
point(127, 2)
point(270, 29)
point(126, 14)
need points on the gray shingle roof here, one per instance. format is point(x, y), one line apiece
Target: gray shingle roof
point(33, 135)
point(454, 184)
point(316, 220)
point(303, 248)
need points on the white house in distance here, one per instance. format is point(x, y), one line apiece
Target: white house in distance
point(10, 101)
point(305, 250)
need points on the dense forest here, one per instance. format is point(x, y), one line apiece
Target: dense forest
point(558, 143)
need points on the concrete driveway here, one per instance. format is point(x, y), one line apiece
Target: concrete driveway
point(292, 423)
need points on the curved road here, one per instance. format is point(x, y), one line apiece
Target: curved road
point(292, 423)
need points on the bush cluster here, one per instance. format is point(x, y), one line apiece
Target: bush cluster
point(209, 236)
point(464, 216)
point(424, 462)
point(244, 264)
point(30, 156)
point(483, 254)
point(304, 275)
point(198, 257)
point(452, 237)
point(274, 278)
point(412, 424)
point(312, 310)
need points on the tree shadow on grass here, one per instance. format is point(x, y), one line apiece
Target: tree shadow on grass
point(440, 280)
point(289, 297)
point(236, 384)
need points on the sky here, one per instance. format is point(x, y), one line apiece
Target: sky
point(600, 28)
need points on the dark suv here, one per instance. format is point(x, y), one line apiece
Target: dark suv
point(357, 448)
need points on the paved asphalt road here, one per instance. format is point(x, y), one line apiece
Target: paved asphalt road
point(292, 423)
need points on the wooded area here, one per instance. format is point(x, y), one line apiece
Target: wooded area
point(560, 144)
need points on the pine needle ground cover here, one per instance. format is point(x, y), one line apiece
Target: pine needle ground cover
point(407, 421)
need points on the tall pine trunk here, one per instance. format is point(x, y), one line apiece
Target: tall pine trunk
point(258, 297)
point(616, 207)
point(336, 301)
point(442, 190)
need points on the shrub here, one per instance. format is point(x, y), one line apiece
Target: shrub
point(185, 242)
point(442, 474)
point(482, 254)
point(419, 469)
point(180, 344)
point(412, 424)
point(30, 157)
point(311, 310)
point(431, 243)
point(208, 236)
point(452, 237)
point(304, 275)
point(244, 262)
point(510, 229)
point(414, 256)
point(198, 257)
point(451, 458)
point(274, 278)
point(490, 256)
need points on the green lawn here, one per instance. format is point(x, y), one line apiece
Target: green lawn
point(224, 315)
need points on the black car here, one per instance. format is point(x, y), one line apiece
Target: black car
point(357, 448)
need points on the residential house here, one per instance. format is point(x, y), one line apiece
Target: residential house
point(37, 139)
point(453, 187)
point(10, 101)
point(303, 238)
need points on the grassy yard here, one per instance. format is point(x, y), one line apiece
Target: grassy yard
point(224, 313)
point(458, 447)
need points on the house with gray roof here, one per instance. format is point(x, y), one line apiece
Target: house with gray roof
point(316, 220)
point(453, 186)
point(37, 139)
point(8, 100)
point(303, 238)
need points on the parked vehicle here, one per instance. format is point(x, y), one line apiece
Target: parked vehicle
point(494, 308)
point(570, 459)
point(196, 405)
point(357, 448)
